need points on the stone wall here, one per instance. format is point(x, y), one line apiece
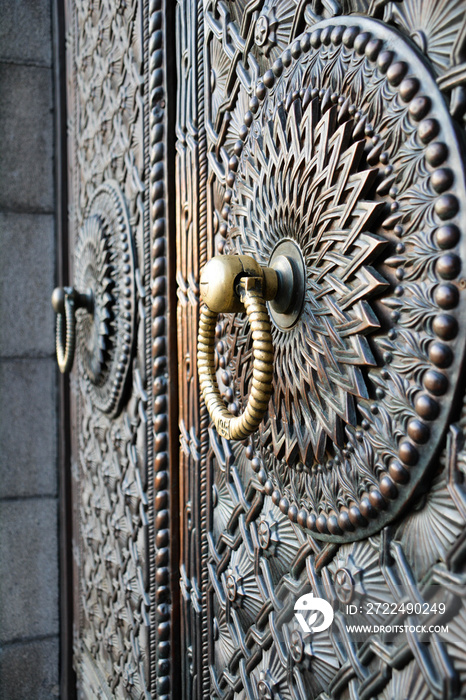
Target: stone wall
point(29, 600)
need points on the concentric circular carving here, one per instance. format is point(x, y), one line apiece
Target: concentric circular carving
point(104, 267)
point(348, 151)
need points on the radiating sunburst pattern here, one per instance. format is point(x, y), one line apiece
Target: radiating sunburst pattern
point(433, 26)
point(225, 643)
point(454, 640)
point(406, 684)
point(278, 540)
point(270, 678)
point(358, 579)
point(273, 27)
point(240, 585)
point(308, 184)
point(429, 531)
point(217, 79)
point(314, 653)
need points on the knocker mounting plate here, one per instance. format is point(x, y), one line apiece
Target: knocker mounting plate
point(346, 148)
point(104, 267)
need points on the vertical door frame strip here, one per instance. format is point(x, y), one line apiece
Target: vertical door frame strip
point(193, 251)
point(164, 526)
point(67, 676)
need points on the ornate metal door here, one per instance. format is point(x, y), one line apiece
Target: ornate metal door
point(333, 132)
point(118, 102)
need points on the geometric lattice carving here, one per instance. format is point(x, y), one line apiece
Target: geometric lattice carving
point(343, 152)
point(347, 421)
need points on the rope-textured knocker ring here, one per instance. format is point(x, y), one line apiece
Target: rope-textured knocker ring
point(65, 301)
point(235, 283)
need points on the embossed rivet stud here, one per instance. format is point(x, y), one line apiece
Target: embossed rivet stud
point(419, 107)
point(396, 72)
point(446, 206)
point(349, 36)
point(446, 295)
point(435, 382)
point(269, 78)
point(388, 488)
point(315, 38)
point(284, 505)
point(311, 522)
point(418, 431)
point(448, 267)
point(248, 118)
point(408, 88)
point(321, 524)
point(305, 42)
point(441, 179)
point(447, 236)
point(254, 104)
point(333, 526)
point(296, 49)
point(426, 407)
point(445, 326)
point(440, 354)
point(233, 163)
point(302, 517)
point(377, 500)
point(367, 509)
point(361, 42)
point(384, 60)
point(344, 521)
point(261, 91)
point(356, 516)
point(292, 513)
point(436, 153)
point(408, 453)
point(337, 35)
point(278, 67)
point(373, 48)
point(428, 129)
point(287, 58)
point(398, 473)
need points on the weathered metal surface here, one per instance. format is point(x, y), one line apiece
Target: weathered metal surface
point(116, 67)
point(337, 126)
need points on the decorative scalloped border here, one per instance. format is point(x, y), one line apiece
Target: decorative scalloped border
point(399, 468)
point(160, 592)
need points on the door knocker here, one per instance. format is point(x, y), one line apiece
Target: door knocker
point(65, 302)
point(235, 283)
point(98, 313)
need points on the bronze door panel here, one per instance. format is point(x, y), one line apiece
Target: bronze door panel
point(335, 129)
point(120, 404)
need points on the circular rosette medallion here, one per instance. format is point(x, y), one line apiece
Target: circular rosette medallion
point(348, 156)
point(104, 266)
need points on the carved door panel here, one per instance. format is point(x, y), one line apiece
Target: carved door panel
point(334, 129)
point(118, 240)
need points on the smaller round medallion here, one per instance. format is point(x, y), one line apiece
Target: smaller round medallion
point(104, 269)
point(261, 31)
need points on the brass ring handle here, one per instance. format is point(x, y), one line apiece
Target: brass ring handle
point(65, 301)
point(235, 283)
point(228, 425)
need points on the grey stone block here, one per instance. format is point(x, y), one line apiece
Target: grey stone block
point(29, 566)
point(25, 31)
point(26, 138)
point(28, 428)
point(30, 670)
point(27, 274)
